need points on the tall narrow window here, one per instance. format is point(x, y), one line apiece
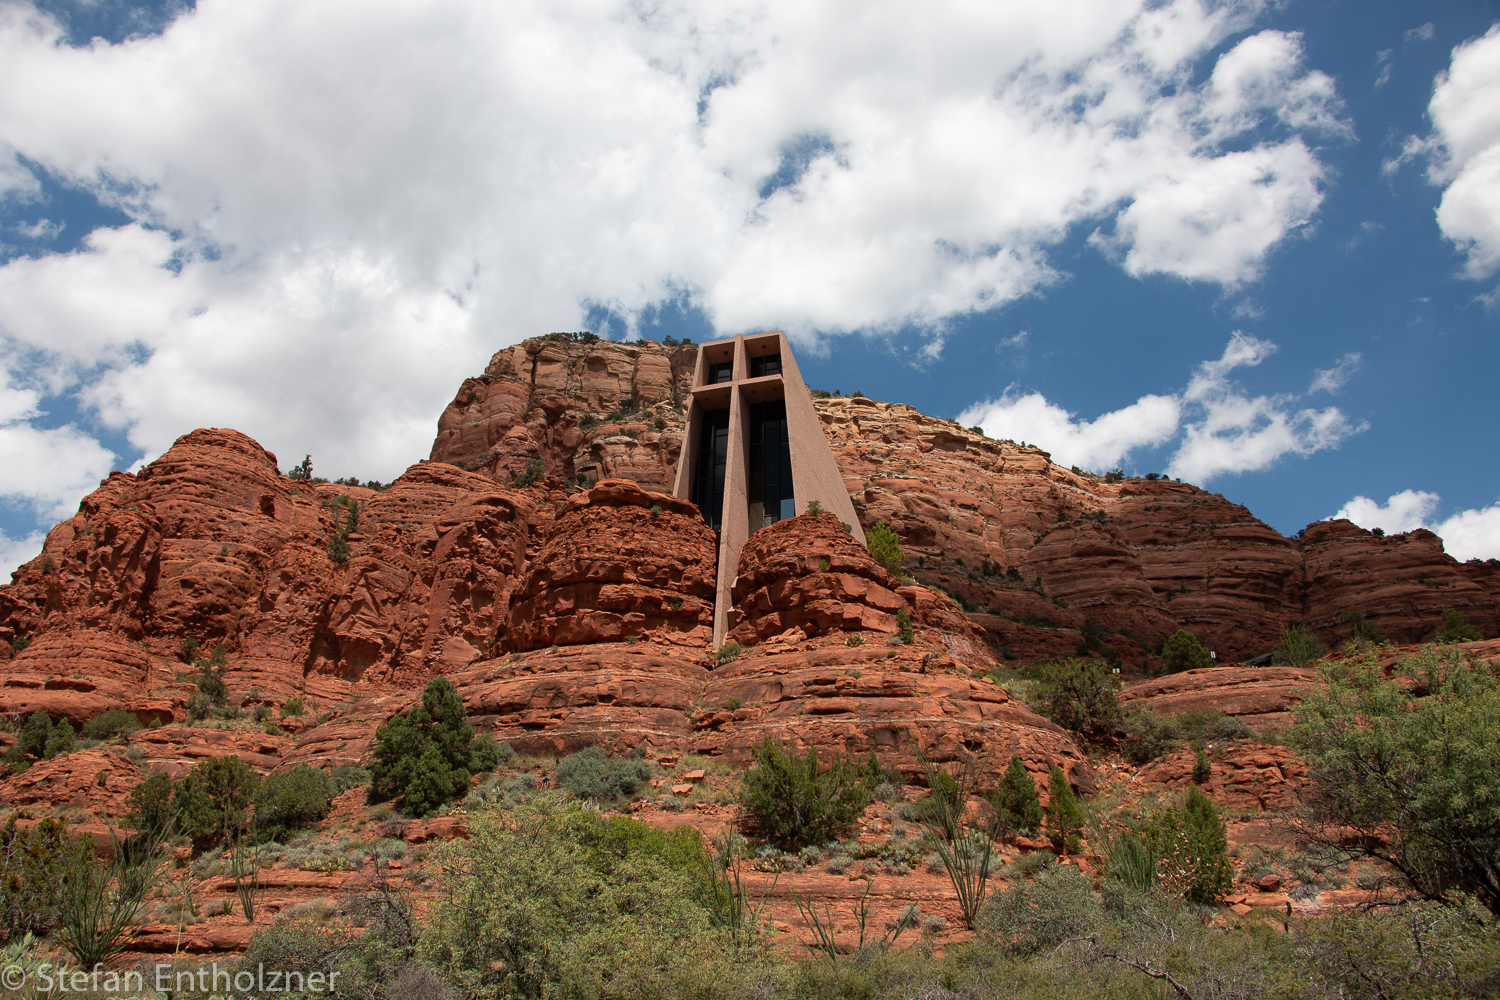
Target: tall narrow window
point(770, 487)
point(708, 473)
point(770, 364)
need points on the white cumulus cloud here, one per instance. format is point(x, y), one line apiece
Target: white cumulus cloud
point(1466, 534)
point(1219, 429)
point(340, 210)
point(1465, 150)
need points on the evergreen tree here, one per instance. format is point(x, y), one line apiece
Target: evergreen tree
point(429, 754)
point(1064, 814)
point(885, 547)
point(1184, 652)
point(1017, 805)
point(1192, 845)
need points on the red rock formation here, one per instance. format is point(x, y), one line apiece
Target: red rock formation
point(211, 543)
point(808, 572)
point(1242, 775)
point(1261, 696)
point(999, 525)
point(551, 399)
point(1402, 583)
point(619, 563)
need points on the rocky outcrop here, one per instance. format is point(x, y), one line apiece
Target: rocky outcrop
point(1073, 561)
point(211, 545)
point(1260, 696)
point(807, 572)
point(901, 701)
point(586, 410)
point(619, 563)
point(1402, 583)
point(1242, 776)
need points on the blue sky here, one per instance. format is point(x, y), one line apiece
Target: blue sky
point(1256, 245)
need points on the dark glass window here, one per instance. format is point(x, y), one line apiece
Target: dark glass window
point(722, 371)
point(708, 473)
point(768, 365)
point(770, 485)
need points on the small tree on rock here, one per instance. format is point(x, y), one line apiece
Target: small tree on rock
point(428, 755)
point(885, 547)
point(1064, 814)
point(1184, 652)
point(1017, 805)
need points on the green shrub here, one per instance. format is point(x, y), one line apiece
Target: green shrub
point(292, 707)
point(110, 724)
point(904, 630)
point(1191, 846)
point(1182, 651)
point(1456, 628)
point(1040, 913)
point(289, 801)
point(1298, 648)
point(35, 864)
point(792, 803)
point(528, 476)
point(1079, 695)
point(212, 802)
point(427, 756)
point(41, 739)
point(1147, 736)
point(944, 804)
point(344, 778)
point(592, 773)
point(1202, 769)
point(1017, 807)
point(150, 803)
point(1413, 783)
point(813, 507)
point(728, 653)
point(1064, 814)
point(885, 547)
point(542, 903)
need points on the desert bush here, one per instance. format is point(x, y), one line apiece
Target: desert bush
point(1456, 628)
point(292, 707)
point(904, 631)
point(40, 739)
point(427, 756)
point(341, 779)
point(1298, 648)
point(1016, 806)
point(212, 802)
point(1182, 651)
point(291, 800)
point(885, 547)
point(1147, 736)
point(1416, 778)
point(592, 773)
point(1040, 913)
point(110, 724)
point(1079, 695)
point(792, 803)
point(727, 653)
point(547, 901)
point(1064, 814)
point(1190, 844)
point(35, 864)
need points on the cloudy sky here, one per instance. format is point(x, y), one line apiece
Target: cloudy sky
point(1252, 245)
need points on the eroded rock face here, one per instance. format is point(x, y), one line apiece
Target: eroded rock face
point(1063, 559)
point(1248, 776)
point(808, 572)
point(619, 563)
point(1260, 696)
point(211, 543)
point(1400, 582)
point(551, 399)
